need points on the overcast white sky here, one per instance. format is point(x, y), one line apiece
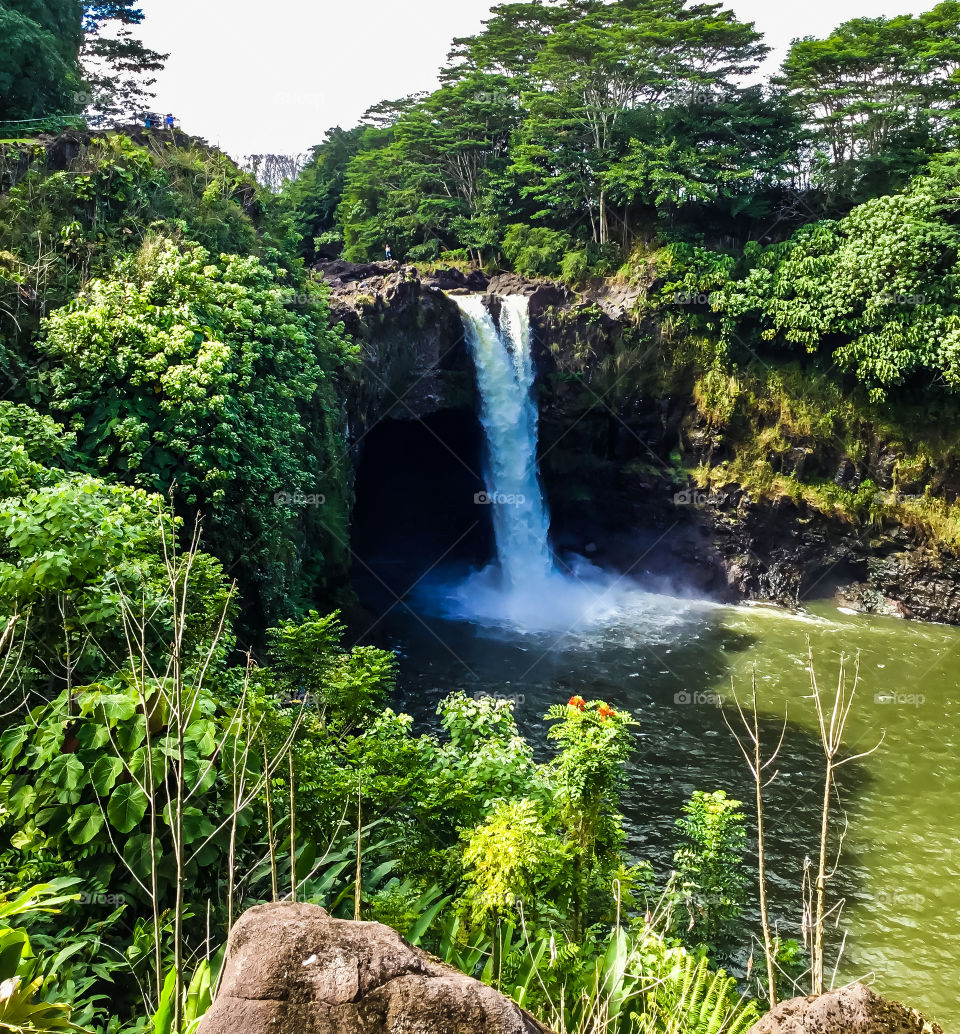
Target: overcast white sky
point(259, 77)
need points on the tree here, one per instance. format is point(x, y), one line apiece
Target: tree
point(727, 154)
point(313, 196)
point(39, 73)
point(752, 750)
point(511, 40)
point(423, 183)
point(877, 289)
point(118, 68)
point(585, 779)
point(457, 142)
point(832, 718)
point(710, 867)
point(208, 376)
point(879, 95)
point(612, 59)
point(61, 56)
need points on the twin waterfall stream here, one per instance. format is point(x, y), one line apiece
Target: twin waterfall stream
point(528, 587)
point(508, 413)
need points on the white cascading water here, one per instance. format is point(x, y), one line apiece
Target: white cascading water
point(526, 588)
point(523, 588)
point(508, 412)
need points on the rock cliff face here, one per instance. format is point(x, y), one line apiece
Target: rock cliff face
point(292, 969)
point(414, 356)
point(612, 460)
point(849, 1010)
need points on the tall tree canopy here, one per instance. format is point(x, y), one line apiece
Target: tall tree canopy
point(612, 59)
point(60, 57)
point(553, 109)
point(118, 68)
point(880, 95)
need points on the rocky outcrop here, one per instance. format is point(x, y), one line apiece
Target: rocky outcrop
point(542, 294)
point(293, 969)
point(414, 355)
point(54, 152)
point(849, 1010)
point(921, 582)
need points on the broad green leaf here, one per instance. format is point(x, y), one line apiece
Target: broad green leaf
point(65, 771)
point(164, 1016)
point(203, 734)
point(104, 774)
point(85, 823)
point(126, 807)
point(136, 853)
point(12, 741)
point(196, 825)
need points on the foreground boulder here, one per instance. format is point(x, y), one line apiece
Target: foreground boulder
point(849, 1010)
point(293, 969)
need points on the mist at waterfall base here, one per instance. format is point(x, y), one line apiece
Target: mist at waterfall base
point(526, 588)
point(573, 598)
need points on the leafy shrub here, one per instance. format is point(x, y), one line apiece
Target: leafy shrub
point(875, 290)
point(71, 546)
point(186, 371)
point(686, 997)
point(574, 267)
point(346, 688)
point(25, 1007)
point(710, 868)
point(535, 250)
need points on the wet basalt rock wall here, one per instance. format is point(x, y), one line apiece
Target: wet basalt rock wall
point(414, 357)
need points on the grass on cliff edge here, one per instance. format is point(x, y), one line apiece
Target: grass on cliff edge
point(765, 414)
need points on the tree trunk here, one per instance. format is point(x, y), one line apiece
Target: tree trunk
point(818, 915)
point(768, 948)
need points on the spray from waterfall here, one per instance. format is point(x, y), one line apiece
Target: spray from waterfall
point(528, 588)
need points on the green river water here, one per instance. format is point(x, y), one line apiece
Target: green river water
point(668, 660)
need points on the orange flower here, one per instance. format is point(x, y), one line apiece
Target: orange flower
point(605, 712)
point(578, 702)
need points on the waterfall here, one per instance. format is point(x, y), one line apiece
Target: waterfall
point(527, 588)
point(508, 413)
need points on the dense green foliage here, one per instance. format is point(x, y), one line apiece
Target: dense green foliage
point(875, 291)
point(71, 546)
point(174, 747)
point(178, 370)
point(314, 196)
point(39, 72)
point(880, 95)
point(565, 132)
point(188, 350)
point(61, 57)
point(603, 121)
point(711, 882)
point(574, 117)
